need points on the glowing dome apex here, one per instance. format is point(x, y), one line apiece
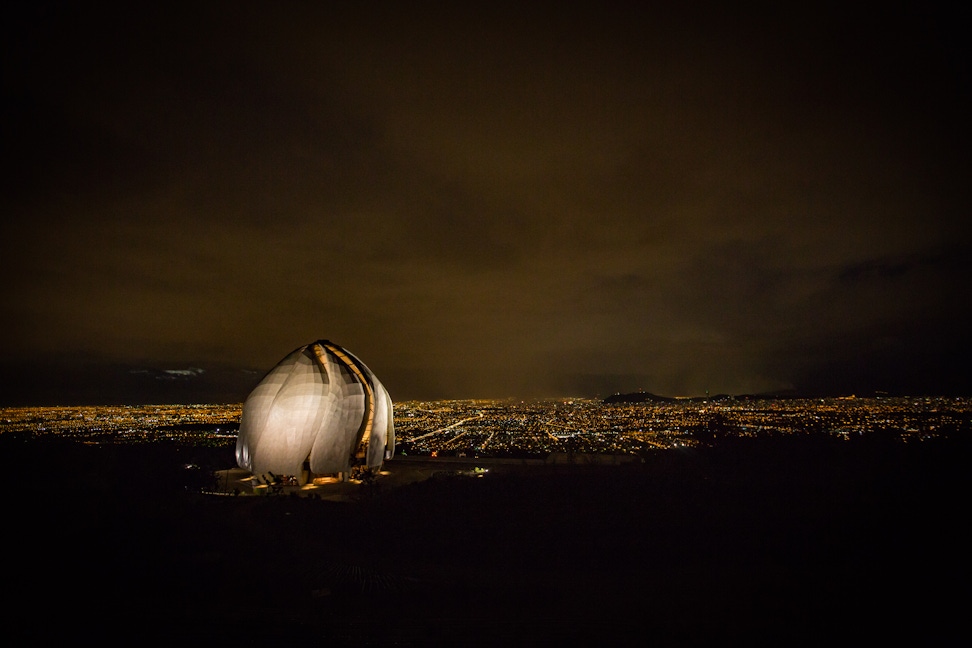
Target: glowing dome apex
point(319, 411)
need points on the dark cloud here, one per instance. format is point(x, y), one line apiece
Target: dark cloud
point(492, 200)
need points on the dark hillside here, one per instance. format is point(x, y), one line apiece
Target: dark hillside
point(772, 541)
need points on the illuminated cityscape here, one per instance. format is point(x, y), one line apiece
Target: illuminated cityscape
point(539, 428)
point(197, 424)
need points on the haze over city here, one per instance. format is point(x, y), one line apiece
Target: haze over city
point(484, 200)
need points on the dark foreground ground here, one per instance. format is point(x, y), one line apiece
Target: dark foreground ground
point(778, 542)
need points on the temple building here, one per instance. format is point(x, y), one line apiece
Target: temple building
point(319, 412)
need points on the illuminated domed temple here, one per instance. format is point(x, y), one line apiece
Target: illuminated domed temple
point(319, 412)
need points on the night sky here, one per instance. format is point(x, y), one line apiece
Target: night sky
point(533, 199)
